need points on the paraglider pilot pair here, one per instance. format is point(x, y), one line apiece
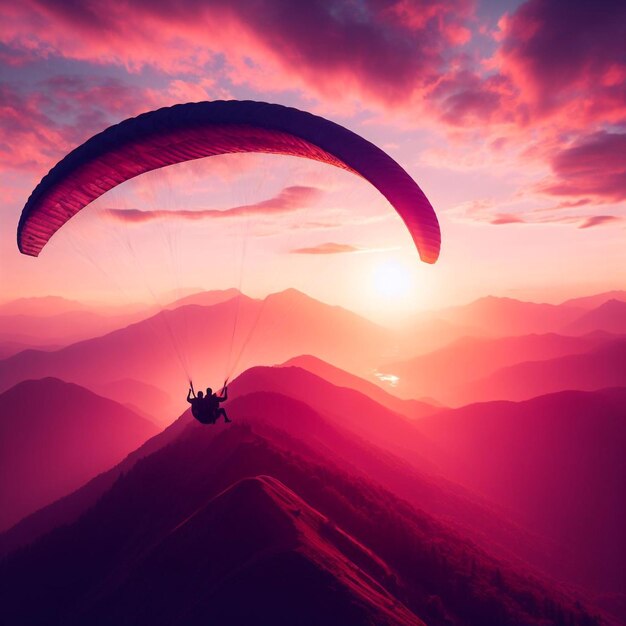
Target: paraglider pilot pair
point(206, 409)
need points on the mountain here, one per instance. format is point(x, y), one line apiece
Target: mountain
point(205, 298)
point(557, 462)
point(608, 317)
point(591, 302)
point(61, 328)
point(596, 369)
point(229, 525)
point(166, 349)
point(426, 332)
point(9, 348)
point(341, 378)
point(139, 396)
point(304, 429)
point(441, 373)
point(55, 436)
point(352, 410)
point(506, 316)
point(267, 557)
point(69, 508)
point(40, 306)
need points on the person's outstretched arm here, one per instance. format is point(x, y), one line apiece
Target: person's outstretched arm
point(224, 394)
point(189, 395)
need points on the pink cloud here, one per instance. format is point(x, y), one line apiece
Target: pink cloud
point(558, 71)
point(40, 126)
point(464, 97)
point(599, 220)
point(290, 199)
point(326, 248)
point(378, 52)
point(506, 218)
point(595, 165)
point(556, 52)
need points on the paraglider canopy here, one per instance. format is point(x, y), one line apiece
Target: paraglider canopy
point(192, 131)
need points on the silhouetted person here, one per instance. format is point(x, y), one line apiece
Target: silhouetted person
point(198, 406)
point(213, 401)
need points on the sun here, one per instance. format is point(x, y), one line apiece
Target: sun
point(391, 279)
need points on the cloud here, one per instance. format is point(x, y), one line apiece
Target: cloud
point(557, 75)
point(506, 218)
point(594, 165)
point(40, 124)
point(598, 220)
point(554, 86)
point(290, 199)
point(327, 248)
point(464, 97)
point(381, 52)
point(28, 136)
point(567, 53)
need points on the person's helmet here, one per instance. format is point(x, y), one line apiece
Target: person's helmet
point(199, 394)
point(209, 391)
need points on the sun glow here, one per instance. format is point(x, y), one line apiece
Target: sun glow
point(392, 280)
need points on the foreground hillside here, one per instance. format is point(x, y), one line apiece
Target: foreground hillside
point(162, 545)
point(54, 437)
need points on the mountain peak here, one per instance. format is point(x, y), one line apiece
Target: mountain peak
point(56, 435)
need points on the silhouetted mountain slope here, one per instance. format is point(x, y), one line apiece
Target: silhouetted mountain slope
point(158, 350)
point(69, 508)
point(348, 408)
point(205, 298)
point(266, 557)
point(507, 316)
point(54, 436)
point(609, 317)
point(440, 373)
point(425, 332)
point(305, 431)
point(341, 378)
point(557, 462)
point(591, 302)
point(62, 328)
point(163, 518)
point(298, 428)
point(10, 348)
point(40, 306)
point(302, 429)
point(134, 393)
point(599, 368)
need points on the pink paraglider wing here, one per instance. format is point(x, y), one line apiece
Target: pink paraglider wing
point(193, 131)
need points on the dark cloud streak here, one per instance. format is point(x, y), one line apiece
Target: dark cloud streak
point(290, 199)
point(327, 248)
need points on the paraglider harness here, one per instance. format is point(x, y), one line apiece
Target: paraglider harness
point(205, 411)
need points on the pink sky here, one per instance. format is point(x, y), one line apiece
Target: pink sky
point(511, 116)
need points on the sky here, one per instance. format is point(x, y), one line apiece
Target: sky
point(511, 116)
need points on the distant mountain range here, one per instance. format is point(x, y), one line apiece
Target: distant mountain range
point(54, 437)
point(609, 316)
point(214, 334)
point(441, 373)
point(601, 367)
point(212, 341)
